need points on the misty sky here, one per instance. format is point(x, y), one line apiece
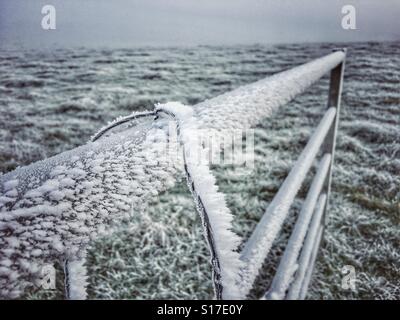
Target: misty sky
point(191, 22)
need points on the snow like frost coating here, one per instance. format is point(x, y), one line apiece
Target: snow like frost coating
point(51, 209)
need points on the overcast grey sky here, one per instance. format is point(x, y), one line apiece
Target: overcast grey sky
point(191, 22)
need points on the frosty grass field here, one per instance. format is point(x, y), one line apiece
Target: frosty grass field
point(52, 101)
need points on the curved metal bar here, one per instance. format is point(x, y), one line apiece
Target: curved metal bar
point(117, 123)
point(208, 231)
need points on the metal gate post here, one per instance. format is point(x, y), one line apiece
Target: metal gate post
point(334, 99)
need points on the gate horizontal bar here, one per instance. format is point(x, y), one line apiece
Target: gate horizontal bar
point(260, 241)
point(287, 265)
point(306, 253)
point(310, 268)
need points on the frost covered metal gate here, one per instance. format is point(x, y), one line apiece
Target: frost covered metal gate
point(297, 263)
point(51, 209)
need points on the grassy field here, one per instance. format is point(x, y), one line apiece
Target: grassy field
point(161, 252)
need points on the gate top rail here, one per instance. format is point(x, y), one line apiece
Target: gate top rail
point(238, 109)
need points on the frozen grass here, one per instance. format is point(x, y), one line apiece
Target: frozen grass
point(162, 254)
